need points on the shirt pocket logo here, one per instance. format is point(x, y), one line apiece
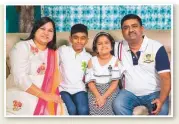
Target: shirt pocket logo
point(148, 58)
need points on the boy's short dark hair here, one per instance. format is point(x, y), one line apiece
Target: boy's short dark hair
point(131, 16)
point(79, 28)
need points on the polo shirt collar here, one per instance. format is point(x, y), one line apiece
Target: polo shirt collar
point(142, 48)
point(126, 45)
point(144, 44)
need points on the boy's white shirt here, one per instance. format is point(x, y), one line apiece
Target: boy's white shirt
point(71, 66)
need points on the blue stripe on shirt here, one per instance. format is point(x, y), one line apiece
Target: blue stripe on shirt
point(162, 61)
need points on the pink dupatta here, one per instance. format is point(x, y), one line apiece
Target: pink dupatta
point(50, 85)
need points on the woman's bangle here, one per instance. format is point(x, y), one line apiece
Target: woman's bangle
point(37, 94)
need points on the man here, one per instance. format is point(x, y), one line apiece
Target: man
point(147, 79)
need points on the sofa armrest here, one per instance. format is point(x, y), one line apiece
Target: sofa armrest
point(7, 70)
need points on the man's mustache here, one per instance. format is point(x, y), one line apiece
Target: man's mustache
point(132, 32)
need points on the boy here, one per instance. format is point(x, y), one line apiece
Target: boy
point(73, 62)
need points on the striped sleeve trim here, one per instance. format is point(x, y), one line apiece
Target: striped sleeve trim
point(90, 81)
point(163, 71)
point(116, 78)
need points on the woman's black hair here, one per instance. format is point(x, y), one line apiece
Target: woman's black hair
point(111, 39)
point(37, 25)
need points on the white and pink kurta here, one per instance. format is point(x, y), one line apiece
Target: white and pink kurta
point(28, 65)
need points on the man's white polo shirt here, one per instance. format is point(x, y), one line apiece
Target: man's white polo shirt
point(142, 72)
point(72, 66)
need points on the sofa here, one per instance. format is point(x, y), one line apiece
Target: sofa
point(163, 36)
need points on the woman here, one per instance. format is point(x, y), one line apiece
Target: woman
point(103, 73)
point(32, 84)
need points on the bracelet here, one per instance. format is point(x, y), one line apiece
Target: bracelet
point(38, 93)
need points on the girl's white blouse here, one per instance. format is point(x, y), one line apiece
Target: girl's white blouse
point(103, 74)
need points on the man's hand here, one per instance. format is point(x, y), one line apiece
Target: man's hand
point(159, 106)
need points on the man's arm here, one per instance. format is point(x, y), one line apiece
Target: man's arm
point(163, 69)
point(164, 92)
point(165, 86)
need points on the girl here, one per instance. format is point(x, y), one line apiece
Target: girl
point(102, 76)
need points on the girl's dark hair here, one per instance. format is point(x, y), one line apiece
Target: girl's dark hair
point(111, 39)
point(37, 25)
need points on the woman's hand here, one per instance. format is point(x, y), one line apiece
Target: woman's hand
point(51, 97)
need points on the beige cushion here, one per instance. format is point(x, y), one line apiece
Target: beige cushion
point(62, 38)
